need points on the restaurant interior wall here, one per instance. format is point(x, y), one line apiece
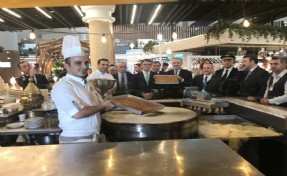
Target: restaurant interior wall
point(7, 73)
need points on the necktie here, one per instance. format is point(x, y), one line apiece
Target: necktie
point(122, 83)
point(146, 78)
point(175, 72)
point(249, 73)
point(204, 83)
point(223, 78)
point(35, 79)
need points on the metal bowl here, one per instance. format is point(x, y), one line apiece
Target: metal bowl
point(102, 85)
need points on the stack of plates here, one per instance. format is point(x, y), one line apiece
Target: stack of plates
point(15, 125)
point(34, 122)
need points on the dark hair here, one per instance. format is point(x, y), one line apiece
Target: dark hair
point(103, 59)
point(18, 65)
point(283, 60)
point(146, 60)
point(203, 61)
point(68, 61)
point(165, 64)
point(157, 62)
point(252, 57)
point(138, 64)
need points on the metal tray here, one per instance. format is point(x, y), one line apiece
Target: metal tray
point(158, 76)
point(156, 106)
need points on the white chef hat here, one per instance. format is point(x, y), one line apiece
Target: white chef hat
point(72, 47)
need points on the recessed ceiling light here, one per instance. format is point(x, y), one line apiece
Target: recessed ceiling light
point(155, 14)
point(12, 13)
point(43, 12)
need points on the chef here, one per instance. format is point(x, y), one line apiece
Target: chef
point(78, 108)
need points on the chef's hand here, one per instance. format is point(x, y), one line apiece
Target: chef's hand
point(112, 90)
point(250, 98)
point(147, 96)
point(264, 100)
point(108, 105)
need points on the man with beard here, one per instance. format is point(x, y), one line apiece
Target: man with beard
point(276, 92)
point(253, 78)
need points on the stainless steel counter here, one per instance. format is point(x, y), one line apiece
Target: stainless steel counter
point(171, 157)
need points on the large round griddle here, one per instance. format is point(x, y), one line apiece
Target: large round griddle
point(168, 123)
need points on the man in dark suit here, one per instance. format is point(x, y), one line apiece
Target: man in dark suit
point(229, 85)
point(184, 77)
point(207, 81)
point(276, 92)
point(123, 79)
point(137, 68)
point(143, 82)
point(253, 78)
point(31, 72)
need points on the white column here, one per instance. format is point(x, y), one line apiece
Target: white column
point(100, 22)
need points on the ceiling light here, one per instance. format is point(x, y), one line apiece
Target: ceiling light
point(32, 35)
point(43, 12)
point(79, 11)
point(133, 14)
point(168, 51)
point(11, 12)
point(132, 45)
point(174, 35)
point(154, 14)
point(104, 39)
point(246, 23)
point(159, 36)
point(1, 20)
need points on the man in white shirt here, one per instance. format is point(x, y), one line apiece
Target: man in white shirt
point(78, 108)
point(276, 91)
point(102, 73)
point(102, 70)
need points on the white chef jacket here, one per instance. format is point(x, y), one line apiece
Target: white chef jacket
point(71, 94)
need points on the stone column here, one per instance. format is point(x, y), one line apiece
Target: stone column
point(100, 22)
